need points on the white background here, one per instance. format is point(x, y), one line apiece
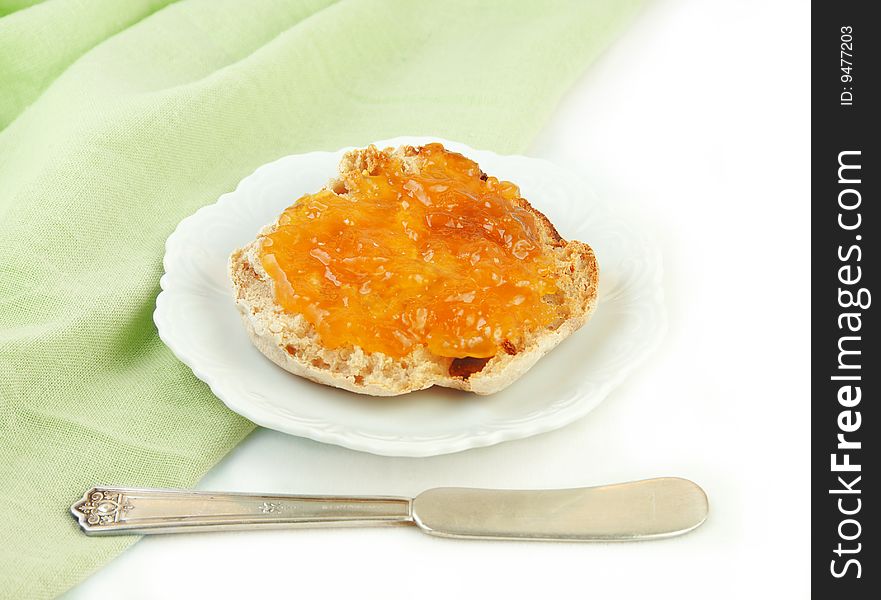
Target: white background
point(698, 119)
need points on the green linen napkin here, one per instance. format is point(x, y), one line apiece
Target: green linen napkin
point(118, 119)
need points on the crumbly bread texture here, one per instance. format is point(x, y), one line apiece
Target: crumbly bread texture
point(292, 343)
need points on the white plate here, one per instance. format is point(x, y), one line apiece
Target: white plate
point(197, 319)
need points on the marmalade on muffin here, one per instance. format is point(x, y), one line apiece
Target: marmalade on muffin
point(392, 260)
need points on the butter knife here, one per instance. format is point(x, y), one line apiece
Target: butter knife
point(638, 510)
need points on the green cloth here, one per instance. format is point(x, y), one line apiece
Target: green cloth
point(118, 119)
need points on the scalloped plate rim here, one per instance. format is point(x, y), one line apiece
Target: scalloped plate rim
point(486, 435)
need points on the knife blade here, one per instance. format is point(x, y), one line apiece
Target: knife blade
point(638, 510)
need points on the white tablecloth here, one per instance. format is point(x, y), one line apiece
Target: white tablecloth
point(698, 119)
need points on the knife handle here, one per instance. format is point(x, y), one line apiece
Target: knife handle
point(115, 510)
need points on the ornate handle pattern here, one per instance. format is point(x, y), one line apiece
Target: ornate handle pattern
point(113, 510)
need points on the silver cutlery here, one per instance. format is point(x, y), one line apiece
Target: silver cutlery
point(638, 510)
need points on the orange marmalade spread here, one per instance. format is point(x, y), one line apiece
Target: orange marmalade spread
point(444, 259)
